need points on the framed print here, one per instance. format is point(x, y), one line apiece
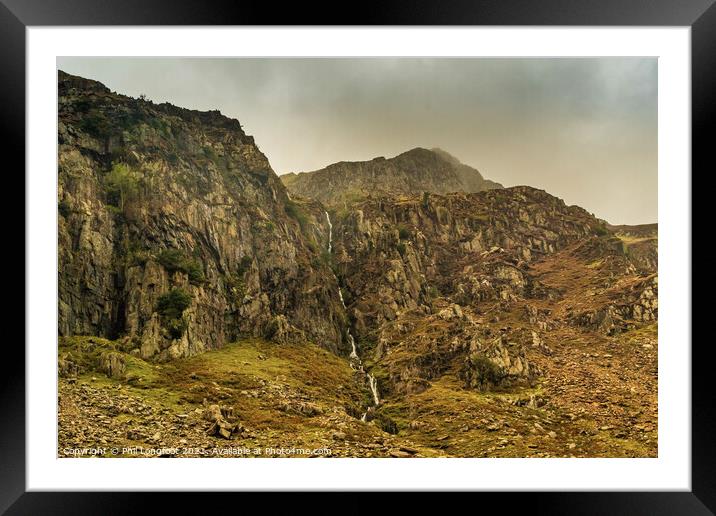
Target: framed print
point(422, 245)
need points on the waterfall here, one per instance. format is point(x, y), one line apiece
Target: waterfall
point(374, 388)
point(330, 240)
point(353, 354)
point(355, 362)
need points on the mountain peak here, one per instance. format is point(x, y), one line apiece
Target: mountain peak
point(410, 173)
point(417, 152)
point(446, 156)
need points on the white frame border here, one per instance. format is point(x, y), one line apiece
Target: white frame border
point(670, 471)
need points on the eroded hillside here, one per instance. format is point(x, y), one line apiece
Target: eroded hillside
point(202, 307)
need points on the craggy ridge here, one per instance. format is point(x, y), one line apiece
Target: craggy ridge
point(204, 300)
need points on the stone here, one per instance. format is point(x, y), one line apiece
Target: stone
point(223, 422)
point(400, 454)
point(112, 364)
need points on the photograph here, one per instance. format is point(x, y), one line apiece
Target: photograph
point(392, 257)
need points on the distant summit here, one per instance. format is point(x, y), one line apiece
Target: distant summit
point(470, 177)
point(410, 173)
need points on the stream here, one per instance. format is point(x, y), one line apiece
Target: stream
point(355, 361)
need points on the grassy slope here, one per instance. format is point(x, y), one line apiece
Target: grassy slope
point(266, 384)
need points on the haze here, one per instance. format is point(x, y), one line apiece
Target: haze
point(583, 129)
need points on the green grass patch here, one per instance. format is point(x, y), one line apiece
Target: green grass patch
point(296, 212)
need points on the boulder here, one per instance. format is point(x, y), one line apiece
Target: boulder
point(113, 364)
point(222, 421)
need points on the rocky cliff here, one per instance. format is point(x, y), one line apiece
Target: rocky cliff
point(175, 234)
point(472, 308)
point(429, 280)
point(408, 174)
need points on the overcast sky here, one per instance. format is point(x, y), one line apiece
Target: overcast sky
point(584, 130)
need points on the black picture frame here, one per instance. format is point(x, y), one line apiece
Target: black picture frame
point(17, 15)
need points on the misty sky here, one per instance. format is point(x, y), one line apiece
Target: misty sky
point(584, 130)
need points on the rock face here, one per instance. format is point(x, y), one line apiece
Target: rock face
point(411, 173)
point(417, 347)
point(175, 233)
point(396, 256)
point(640, 242)
point(427, 281)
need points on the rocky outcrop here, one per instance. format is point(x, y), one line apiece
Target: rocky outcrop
point(400, 260)
point(175, 232)
point(222, 421)
point(411, 173)
point(641, 244)
point(628, 306)
point(112, 364)
point(396, 256)
point(417, 348)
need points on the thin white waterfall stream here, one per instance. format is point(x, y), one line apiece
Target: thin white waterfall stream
point(355, 361)
point(330, 241)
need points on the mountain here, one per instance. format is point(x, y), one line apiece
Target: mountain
point(410, 173)
point(392, 308)
point(175, 234)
